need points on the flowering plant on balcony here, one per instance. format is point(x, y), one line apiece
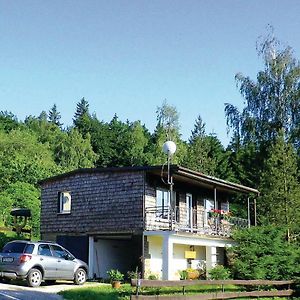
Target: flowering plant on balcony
point(215, 213)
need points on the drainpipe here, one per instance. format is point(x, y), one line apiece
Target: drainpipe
point(249, 221)
point(144, 228)
point(215, 198)
point(172, 206)
point(255, 216)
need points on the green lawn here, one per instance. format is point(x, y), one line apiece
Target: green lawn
point(106, 292)
point(103, 291)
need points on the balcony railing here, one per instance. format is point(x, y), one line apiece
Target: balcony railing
point(193, 220)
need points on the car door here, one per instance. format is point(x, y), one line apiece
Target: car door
point(47, 261)
point(66, 263)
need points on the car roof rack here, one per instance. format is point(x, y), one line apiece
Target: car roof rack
point(42, 241)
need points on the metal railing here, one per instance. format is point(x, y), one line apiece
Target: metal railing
point(192, 220)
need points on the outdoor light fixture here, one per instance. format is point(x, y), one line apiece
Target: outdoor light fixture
point(169, 148)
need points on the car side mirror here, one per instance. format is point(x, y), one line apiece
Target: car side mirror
point(68, 257)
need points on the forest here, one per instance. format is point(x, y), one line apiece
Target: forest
point(263, 152)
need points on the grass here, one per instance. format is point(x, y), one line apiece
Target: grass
point(106, 292)
point(103, 291)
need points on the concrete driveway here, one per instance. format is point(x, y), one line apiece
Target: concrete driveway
point(19, 291)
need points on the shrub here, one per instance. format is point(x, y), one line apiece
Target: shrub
point(152, 277)
point(219, 272)
point(263, 253)
point(133, 274)
point(183, 274)
point(5, 239)
point(115, 275)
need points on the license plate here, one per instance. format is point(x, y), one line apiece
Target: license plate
point(7, 259)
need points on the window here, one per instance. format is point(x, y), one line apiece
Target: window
point(14, 247)
point(44, 250)
point(163, 202)
point(64, 202)
point(58, 251)
point(29, 249)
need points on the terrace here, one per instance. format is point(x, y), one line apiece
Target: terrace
point(213, 223)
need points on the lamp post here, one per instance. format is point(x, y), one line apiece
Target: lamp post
point(169, 148)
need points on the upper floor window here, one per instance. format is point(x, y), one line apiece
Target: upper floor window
point(64, 199)
point(162, 203)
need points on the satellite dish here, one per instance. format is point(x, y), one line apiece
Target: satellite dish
point(169, 148)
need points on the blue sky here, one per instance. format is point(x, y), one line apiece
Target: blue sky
point(126, 57)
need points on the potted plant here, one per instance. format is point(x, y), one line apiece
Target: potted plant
point(183, 274)
point(192, 274)
point(115, 277)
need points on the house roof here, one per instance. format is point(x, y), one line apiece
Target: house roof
point(179, 173)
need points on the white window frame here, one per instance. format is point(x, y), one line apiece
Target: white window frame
point(165, 205)
point(61, 197)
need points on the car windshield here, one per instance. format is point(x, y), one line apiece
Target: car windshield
point(15, 247)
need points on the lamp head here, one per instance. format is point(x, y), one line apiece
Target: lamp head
point(169, 148)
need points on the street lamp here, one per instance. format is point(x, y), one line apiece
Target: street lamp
point(169, 148)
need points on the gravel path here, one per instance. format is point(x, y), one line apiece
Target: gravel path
point(18, 291)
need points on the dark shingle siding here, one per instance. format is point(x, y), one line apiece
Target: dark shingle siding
point(101, 202)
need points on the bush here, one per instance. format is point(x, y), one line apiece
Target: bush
point(183, 274)
point(264, 253)
point(152, 277)
point(115, 275)
point(133, 274)
point(5, 239)
point(219, 272)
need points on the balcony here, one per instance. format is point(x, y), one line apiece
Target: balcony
point(195, 221)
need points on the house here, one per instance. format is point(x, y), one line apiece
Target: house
point(132, 217)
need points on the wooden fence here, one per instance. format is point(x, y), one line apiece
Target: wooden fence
point(285, 289)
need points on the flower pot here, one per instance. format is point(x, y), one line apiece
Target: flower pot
point(116, 284)
point(192, 275)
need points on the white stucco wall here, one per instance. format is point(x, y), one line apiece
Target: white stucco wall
point(153, 265)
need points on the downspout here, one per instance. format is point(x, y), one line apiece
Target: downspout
point(248, 212)
point(144, 226)
point(255, 215)
point(215, 198)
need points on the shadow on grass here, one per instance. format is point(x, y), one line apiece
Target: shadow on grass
point(104, 292)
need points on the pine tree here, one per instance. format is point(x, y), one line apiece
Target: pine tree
point(54, 116)
point(280, 191)
point(197, 153)
point(199, 129)
point(82, 113)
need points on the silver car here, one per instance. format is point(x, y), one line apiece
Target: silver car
point(38, 261)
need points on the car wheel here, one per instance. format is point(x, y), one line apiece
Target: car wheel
point(50, 281)
point(34, 278)
point(80, 276)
